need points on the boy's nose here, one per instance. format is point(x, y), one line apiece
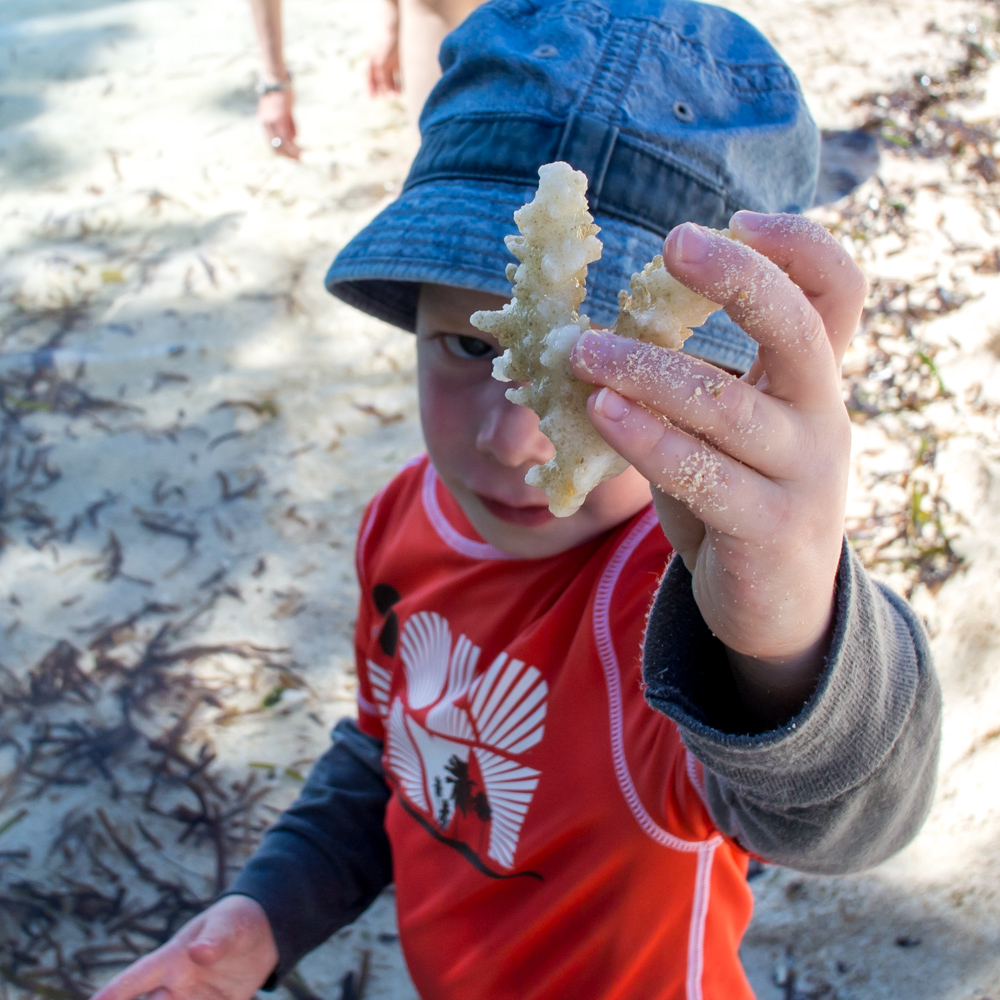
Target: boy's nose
point(509, 434)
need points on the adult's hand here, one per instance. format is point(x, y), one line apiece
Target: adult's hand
point(225, 953)
point(749, 475)
point(275, 113)
point(384, 75)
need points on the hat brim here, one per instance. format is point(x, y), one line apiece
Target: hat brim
point(450, 232)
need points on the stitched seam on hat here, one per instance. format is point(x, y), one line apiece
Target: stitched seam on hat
point(528, 180)
point(395, 263)
point(527, 185)
point(516, 116)
point(582, 102)
point(637, 52)
point(601, 99)
point(627, 136)
point(716, 185)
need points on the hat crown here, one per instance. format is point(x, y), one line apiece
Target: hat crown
point(674, 110)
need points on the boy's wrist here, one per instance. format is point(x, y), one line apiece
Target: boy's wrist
point(774, 689)
point(267, 953)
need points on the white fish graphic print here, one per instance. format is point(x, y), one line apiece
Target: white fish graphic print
point(453, 744)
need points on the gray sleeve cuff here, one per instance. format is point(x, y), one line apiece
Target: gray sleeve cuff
point(849, 779)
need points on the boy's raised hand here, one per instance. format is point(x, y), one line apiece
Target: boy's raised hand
point(750, 474)
point(225, 953)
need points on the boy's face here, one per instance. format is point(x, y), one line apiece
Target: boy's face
point(482, 445)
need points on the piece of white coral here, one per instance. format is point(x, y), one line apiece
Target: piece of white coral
point(660, 310)
point(541, 323)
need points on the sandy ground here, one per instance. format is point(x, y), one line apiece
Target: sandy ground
point(191, 428)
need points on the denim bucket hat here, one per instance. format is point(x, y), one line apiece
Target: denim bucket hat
point(675, 111)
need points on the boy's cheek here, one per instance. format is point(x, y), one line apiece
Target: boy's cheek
point(440, 405)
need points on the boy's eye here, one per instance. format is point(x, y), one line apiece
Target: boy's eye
point(468, 347)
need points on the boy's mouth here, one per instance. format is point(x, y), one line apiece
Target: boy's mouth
point(528, 517)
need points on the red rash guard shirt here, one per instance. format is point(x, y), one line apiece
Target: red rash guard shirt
point(548, 834)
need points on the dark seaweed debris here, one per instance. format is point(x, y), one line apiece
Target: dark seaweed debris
point(37, 386)
point(90, 719)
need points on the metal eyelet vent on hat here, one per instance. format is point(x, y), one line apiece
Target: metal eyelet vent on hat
point(683, 112)
point(545, 51)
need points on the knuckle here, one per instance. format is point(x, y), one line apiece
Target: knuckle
point(780, 517)
point(651, 437)
point(859, 282)
point(741, 408)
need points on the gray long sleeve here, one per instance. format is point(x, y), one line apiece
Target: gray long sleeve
point(849, 780)
point(327, 857)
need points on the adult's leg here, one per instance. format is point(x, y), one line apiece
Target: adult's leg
point(422, 27)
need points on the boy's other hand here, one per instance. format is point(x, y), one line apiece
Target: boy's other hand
point(225, 953)
point(750, 474)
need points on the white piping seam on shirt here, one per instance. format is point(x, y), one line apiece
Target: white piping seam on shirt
point(369, 706)
point(452, 538)
point(365, 532)
point(609, 663)
point(699, 917)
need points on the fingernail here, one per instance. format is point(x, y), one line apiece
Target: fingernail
point(692, 243)
point(754, 221)
point(592, 351)
point(609, 404)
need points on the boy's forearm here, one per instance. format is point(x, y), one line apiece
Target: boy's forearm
point(845, 782)
point(327, 857)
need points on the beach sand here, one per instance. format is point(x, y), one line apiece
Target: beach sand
point(192, 427)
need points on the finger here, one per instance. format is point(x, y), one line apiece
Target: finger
point(378, 76)
point(755, 292)
point(139, 978)
point(815, 261)
point(720, 491)
point(285, 130)
point(697, 397)
point(283, 140)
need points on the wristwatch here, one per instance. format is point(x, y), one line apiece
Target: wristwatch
point(273, 88)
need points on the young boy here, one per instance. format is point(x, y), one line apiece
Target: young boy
point(569, 742)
